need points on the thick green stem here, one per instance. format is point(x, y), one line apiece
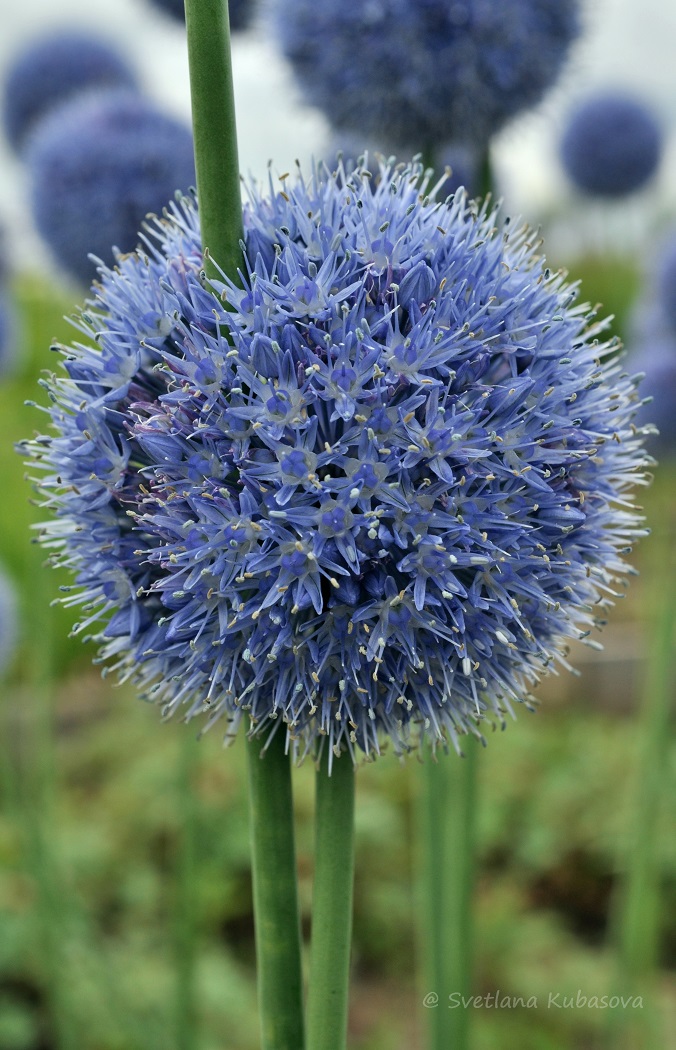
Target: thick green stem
point(331, 905)
point(484, 174)
point(214, 130)
point(447, 877)
point(52, 901)
point(185, 920)
point(280, 984)
point(637, 910)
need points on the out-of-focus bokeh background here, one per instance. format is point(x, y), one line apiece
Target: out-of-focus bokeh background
point(125, 898)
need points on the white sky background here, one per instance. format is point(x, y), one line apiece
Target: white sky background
point(627, 42)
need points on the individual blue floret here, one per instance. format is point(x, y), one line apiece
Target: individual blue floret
point(611, 145)
point(418, 73)
point(370, 488)
point(54, 68)
point(97, 167)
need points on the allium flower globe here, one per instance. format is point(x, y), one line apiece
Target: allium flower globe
point(421, 72)
point(611, 145)
point(667, 284)
point(53, 69)
point(240, 11)
point(97, 166)
point(657, 363)
point(372, 492)
point(8, 342)
point(8, 621)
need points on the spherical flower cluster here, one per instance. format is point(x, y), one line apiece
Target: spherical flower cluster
point(8, 621)
point(97, 166)
point(55, 68)
point(240, 11)
point(422, 73)
point(611, 145)
point(667, 285)
point(464, 167)
point(656, 361)
point(368, 490)
point(8, 343)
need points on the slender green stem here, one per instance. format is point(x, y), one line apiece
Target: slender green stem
point(430, 894)
point(214, 130)
point(280, 983)
point(637, 905)
point(331, 905)
point(52, 904)
point(485, 174)
point(457, 913)
point(447, 877)
point(185, 922)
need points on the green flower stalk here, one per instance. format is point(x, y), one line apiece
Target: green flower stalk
point(331, 903)
point(271, 807)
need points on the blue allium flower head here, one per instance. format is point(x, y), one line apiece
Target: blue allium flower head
point(8, 621)
point(240, 11)
point(8, 342)
point(611, 145)
point(667, 284)
point(98, 165)
point(657, 362)
point(464, 165)
point(421, 72)
point(51, 70)
point(372, 496)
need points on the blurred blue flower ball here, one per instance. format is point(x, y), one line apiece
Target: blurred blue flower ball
point(8, 341)
point(464, 164)
point(421, 72)
point(657, 361)
point(240, 11)
point(611, 145)
point(8, 621)
point(98, 166)
point(667, 285)
point(54, 68)
point(368, 489)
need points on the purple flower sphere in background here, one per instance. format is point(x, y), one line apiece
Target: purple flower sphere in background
point(611, 145)
point(667, 285)
point(369, 489)
point(8, 342)
point(240, 11)
point(98, 166)
point(657, 361)
point(8, 621)
point(421, 72)
point(464, 164)
point(53, 69)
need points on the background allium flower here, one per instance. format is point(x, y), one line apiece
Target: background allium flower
point(240, 11)
point(667, 284)
point(97, 166)
point(657, 361)
point(611, 145)
point(420, 73)
point(8, 345)
point(51, 70)
point(464, 165)
point(8, 621)
point(384, 508)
